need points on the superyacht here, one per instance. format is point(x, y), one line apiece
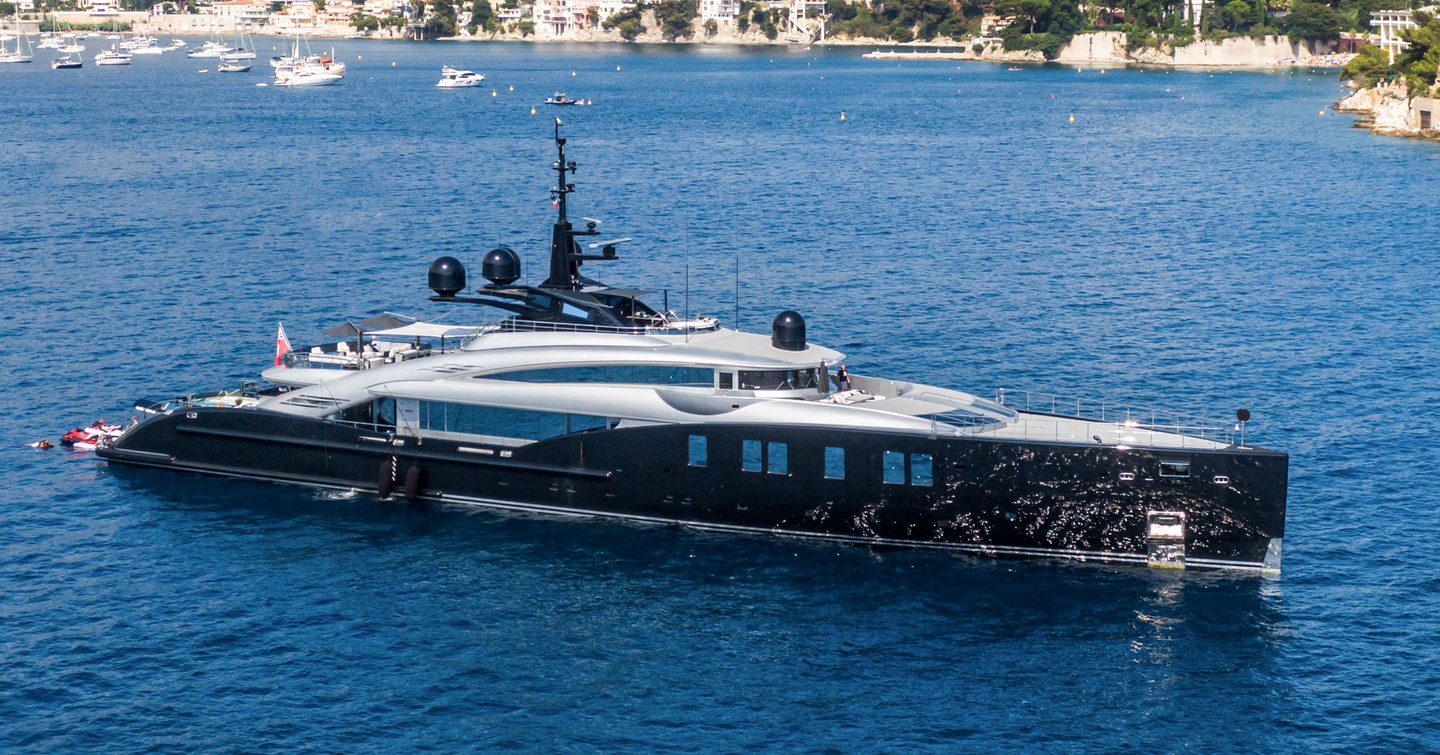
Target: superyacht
point(582, 400)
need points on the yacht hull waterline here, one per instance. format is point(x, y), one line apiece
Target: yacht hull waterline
point(586, 402)
point(987, 497)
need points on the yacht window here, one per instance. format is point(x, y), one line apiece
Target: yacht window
point(894, 468)
point(834, 463)
point(780, 380)
point(1174, 467)
point(641, 374)
point(750, 455)
point(698, 451)
point(922, 470)
point(778, 459)
point(504, 422)
point(727, 381)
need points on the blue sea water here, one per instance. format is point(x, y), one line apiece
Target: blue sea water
point(1192, 240)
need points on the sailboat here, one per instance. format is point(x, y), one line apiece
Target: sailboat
point(241, 51)
point(69, 44)
point(21, 38)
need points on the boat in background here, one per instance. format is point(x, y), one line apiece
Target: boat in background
point(456, 78)
point(559, 98)
point(232, 67)
point(145, 46)
point(212, 49)
point(22, 41)
point(112, 57)
point(68, 61)
point(308, 77)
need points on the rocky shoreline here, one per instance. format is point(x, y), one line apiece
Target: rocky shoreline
point(1111, 48)
point(1388, 109)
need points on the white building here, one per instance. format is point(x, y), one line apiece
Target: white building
point(1388, 24)
point(242, 12)
point(561, 19)
point(719, 10)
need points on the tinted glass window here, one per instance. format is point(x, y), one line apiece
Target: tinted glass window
point(1174, 467)
point(779, 380)
point(834, 463)
point(698, 451)
point(642, 374)
point(504, 422)
point(921, 470)
point(779, 461)
point(894, 468)
point(750, 455)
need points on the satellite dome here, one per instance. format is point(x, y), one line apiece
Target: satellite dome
point(501, 266)
point(447, 276)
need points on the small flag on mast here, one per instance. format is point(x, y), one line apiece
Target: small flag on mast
point(282, 345)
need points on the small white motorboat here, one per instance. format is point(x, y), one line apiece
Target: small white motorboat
point(455, 78)
point(308, 77)
point(230, 67)
point(112, 58)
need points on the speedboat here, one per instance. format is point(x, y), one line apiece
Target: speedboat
point(559, 98)
point(68, 61)
point(455, 78)
point(582, 400)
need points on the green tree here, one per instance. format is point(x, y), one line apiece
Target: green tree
point(364, 21)
point(1420, 62)
point(627, 22)
point(1312, 21)
point(441, 21)
point(7, 9)
point(481, 16)
point(1236, 13)
point(1370, 66)
point(674, 17)
point(526, 28)
point(711, 28)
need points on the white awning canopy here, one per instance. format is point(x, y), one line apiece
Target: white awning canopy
point(424, 330)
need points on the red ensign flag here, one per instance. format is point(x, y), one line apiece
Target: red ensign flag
point(282, 344)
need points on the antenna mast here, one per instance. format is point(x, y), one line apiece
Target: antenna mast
point(565, 254)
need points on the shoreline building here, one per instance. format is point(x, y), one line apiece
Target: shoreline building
point(1389, 23)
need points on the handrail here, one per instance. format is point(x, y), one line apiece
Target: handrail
point(515, 325)
point(1125, 415)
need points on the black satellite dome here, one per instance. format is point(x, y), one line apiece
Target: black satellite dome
point(788, 331)
point(447, 276)
point(501, 266)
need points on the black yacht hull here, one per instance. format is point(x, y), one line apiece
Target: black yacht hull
point(979, 495)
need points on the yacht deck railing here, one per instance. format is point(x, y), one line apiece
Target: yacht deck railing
point(1108, 413)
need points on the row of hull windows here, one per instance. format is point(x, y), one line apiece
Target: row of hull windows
point(659, 374)
point(773, 457)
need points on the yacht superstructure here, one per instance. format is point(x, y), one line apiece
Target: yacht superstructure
point(584, 400)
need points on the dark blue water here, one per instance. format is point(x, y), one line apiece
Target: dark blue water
point(1199, 242)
